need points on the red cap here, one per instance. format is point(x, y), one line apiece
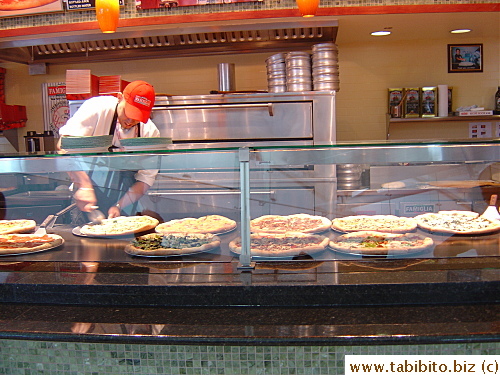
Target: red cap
point(140, 98)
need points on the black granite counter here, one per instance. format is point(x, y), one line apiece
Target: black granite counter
point(253, 325)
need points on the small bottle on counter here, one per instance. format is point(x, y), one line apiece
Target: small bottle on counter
point(497, 101)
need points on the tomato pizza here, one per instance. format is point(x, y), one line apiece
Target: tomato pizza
point(303, 223)
point(23, 4)
point(282, 244)
point(14, 244)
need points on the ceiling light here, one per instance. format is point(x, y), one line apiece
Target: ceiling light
point(460, 31)
point(381, 33)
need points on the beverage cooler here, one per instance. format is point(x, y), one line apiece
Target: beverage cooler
point(245, 119)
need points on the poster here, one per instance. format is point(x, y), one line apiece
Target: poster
point(155, 4)
point(55, 106)
point(20, 8)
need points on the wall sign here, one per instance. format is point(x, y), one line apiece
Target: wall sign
point(10, 8)
point(82, 4)
point(155, 4)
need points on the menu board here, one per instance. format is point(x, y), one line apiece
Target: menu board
point(82, 4)
point(155, 4)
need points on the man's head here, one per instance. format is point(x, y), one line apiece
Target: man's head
point(138, 100)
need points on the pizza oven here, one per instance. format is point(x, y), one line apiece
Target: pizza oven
point(245, 120)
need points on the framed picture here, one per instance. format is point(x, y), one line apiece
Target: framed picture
point(21, 8)
point(465, 58)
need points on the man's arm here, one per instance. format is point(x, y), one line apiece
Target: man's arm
point(136, 191)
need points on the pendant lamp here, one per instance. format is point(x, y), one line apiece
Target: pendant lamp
point(308, 8)
point(108, 12)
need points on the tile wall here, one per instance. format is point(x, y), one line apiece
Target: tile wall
point(40, 357)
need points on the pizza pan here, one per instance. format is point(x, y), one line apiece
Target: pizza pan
point(171, 255)
point(32, 252)
point(387, 254)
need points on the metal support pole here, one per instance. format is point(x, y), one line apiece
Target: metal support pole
point(245, 256)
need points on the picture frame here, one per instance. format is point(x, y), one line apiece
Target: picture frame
point(465, 58)
point(53, 6)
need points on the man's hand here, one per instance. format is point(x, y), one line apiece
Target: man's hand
point(85, 199)
point(113, 212)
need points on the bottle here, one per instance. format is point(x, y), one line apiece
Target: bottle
point(497, 101)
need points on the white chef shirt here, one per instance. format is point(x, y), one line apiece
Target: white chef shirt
point(94, 118)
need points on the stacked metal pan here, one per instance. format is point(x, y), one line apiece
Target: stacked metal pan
point(276, 73)
point(325, 67)
point(298, 71)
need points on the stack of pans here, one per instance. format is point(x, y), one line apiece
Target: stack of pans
point(325, 67)
point(298, 71)
point(348, 176)
point(276, 73)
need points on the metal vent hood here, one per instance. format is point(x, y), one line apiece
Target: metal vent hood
point(176, 40)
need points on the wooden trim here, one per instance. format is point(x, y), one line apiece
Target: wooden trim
point(280, 13)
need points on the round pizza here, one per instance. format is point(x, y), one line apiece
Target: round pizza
point(155, 244)
point(17, 226)
point(381, 223)
point(303, 223)
point(214, 224)
point(13, 244)
point(282, 244)
point(380, 243)
point(120, 226)
point(457, 222)
point(23, 4)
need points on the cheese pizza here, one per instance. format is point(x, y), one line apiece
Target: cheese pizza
point(155, 244)
point(457, 222)
point(380, 243)
point(13, 244)
point(120, 226)
point(282, 245)
point(214, 224)
point(381, 223)
point(17, 226)
point(23, 4)
point(302, 223)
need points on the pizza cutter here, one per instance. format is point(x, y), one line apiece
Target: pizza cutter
point(96, 216)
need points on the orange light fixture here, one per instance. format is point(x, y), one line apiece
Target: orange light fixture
point(308, 8)
point(108, 12)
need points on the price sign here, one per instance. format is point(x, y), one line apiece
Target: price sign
point(83, 4)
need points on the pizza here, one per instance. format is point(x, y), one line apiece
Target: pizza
point(380, 243)
point(214, 224)
point(302, 223)
point(282, 244)
point(120, 226)
point(381, 223)
point(155, 244)
point(457, 222)
point(23, 4)
point(17, 226)
point(12, 244)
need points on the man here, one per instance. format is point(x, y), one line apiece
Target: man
point(124, 116)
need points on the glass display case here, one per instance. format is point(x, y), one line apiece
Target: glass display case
point(330, 181)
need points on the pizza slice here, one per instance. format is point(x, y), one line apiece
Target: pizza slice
point(379, 243)
point(17, 226)
point(302, 223)
point(282, 244)
point(381, 223)
point(215, 224)
point(120, 226)
point(155, 244)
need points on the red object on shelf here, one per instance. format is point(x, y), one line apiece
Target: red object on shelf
point(111, 85)
point(81, 84)
point(12, 116)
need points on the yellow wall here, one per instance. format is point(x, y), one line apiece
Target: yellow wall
point(367, 69)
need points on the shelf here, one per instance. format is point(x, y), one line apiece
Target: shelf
point(446, 119)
